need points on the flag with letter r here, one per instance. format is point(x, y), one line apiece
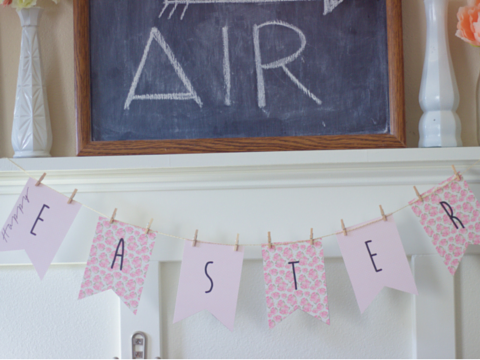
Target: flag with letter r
point(209, 280)
point(450, 215)
point(374, 258)
point(118, 260)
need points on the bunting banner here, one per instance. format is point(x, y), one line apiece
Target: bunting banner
point(450, 215)
point(294, 272)
point(375, 258)
point(118, 260)
point(209, 280)
point(38, 223)
point(295, 279)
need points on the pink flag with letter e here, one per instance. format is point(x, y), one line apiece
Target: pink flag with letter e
point(450, 216)
point(118, 260)
point(38, 224)
point(209, 280)
point(295, 279)
point(375, 258)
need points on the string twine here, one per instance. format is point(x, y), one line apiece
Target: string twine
point(423, 195)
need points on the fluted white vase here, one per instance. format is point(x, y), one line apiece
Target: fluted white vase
point(31, 132)
point(440, 125)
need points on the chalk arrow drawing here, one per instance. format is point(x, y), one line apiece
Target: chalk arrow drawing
point(329, 5)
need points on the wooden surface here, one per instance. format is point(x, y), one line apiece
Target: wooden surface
point(87, 147)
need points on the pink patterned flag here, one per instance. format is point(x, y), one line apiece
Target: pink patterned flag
point(209, 280)
point(38, 224)
point(451, 217)
point(375, 258)
point(295, 279)
point(118, 260)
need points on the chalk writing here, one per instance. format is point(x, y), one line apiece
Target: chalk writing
point(278, 63)
point(190, 95)
point(226, 66)
point(329, 5)
point(14, 217)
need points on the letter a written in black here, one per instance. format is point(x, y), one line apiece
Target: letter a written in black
point(120, 255)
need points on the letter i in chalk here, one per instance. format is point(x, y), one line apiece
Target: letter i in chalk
point(374, 258)
point(38, 224)
point(451, 218)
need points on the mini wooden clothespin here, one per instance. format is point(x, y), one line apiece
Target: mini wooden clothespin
point(112, 219)
point(41, 179)
point(383, 213)
point(456, 173)
point(344, 228)
point(269, 241)
point(195, 238)
point(236, 243)
point(71, 197)
point(148, 226)
point(420, 197)
point(311, 237)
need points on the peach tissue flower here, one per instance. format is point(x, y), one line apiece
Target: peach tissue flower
point(468, 27)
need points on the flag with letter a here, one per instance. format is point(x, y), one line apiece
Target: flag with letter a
point(209, 280)
point(38, 223)
point(295, 279)
point(450, 215)
point(118, 260)
point(375, 258)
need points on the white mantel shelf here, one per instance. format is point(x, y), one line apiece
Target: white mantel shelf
point(244, 170)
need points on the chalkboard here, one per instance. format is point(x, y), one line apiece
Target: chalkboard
point(238, 75)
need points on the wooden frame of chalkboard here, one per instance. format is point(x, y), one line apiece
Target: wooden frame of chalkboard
point(394, 138)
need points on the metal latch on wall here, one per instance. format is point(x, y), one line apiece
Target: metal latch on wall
point(139, 345)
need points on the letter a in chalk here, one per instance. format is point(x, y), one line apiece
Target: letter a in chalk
point(190, 95)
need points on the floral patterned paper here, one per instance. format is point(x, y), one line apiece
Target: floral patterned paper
point(128, 282)
point(450, 242)
point(311, 293)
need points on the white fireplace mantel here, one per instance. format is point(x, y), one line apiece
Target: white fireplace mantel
point(286, 193)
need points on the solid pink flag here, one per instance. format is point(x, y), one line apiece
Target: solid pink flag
point(451, 217)
point(374, 257)
point(38, 224)
point(118, 260)
point(295, 279)
point(209, 280)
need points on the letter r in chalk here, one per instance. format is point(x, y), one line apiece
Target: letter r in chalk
point(38, 218)
point(279, 63)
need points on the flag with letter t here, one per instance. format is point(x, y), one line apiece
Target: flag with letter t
point(118, 260)
point(209, 280)
point(374, 257)
point(450, 215)
point(38, 224)
point(294, 276)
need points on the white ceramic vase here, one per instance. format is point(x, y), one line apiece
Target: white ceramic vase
point(440, 125)
point(31, 132)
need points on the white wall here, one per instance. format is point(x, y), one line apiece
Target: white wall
point(43, 319)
